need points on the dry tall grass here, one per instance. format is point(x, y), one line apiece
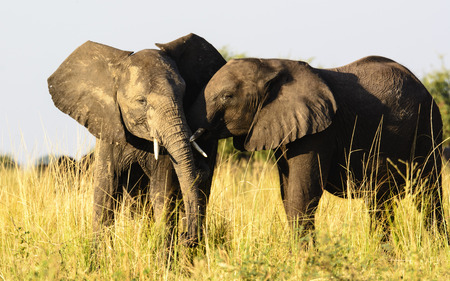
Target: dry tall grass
point(46, 234)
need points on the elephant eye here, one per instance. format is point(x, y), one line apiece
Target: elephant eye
point(141, 100)
point(226, 96)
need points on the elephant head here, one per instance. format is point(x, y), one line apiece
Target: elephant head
point(264, 103)
point(120, 95)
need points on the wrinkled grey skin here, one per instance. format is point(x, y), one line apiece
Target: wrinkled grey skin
point(314, 117)
point(127, 100)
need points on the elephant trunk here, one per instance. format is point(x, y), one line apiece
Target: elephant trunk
point(175, 135)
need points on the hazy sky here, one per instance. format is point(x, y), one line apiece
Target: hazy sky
point(36, 36)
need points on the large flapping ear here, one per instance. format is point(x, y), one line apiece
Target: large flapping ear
point(298, 103)
point(196, 59)
point(84, 87)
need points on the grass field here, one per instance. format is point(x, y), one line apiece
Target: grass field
point(46, 234)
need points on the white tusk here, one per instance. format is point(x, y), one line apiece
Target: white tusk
point(156, 148)
point(197, 147)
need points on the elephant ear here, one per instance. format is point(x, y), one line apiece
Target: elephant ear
point(196, 59)
point(297, 103)
point(84, 87)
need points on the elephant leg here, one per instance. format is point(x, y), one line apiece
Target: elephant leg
point(163, 185)
point(433, 199)
point(105, 183)
point(430, 196)
point(303, 167)
point(283, 171)
point(429, 202)
point(133, 184)
point(381, 214)
point(163, 196)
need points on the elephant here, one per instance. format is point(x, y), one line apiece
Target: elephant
point(134, 104)
point(328, 127)
point(65, 164)
point(85, 162)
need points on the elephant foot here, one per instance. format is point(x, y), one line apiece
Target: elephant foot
point(187, 241)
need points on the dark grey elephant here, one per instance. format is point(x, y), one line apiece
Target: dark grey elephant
point(325, 124)
point(133, 103)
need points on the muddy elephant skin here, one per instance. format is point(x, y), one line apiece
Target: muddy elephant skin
point(134, 104)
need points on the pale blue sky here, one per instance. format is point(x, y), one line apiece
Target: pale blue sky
point(36, 36)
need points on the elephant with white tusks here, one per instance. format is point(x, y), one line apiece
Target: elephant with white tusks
point(134, 104)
